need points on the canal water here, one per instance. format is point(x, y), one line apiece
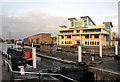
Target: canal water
point(47, 64)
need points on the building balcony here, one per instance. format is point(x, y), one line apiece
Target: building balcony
point(84, 33)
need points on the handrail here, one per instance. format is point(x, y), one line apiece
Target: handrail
point(39, 73)
point(8, 65)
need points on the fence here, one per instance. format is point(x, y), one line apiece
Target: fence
point(34, 73)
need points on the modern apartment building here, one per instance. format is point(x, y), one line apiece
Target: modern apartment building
point(85, 32)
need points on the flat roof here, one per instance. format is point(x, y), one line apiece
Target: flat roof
point(72, 19)
point(88, 18)
point(39, 34)
point(108, 22)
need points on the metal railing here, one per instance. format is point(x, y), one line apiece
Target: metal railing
point(5, 62)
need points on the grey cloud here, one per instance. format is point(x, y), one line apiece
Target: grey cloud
point(31, 22)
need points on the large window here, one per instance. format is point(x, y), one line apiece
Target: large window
point(52, 40)
point(92, 30)
point(62, 42)
point(89, 23)
point(87, 36)
point(97, 43)
point(68, 37)
point(78, 31)
point(37, 41)
point(85, 23)
point(96, 36)
point(72, 24)
point(62, 37)
point(107, 25)
point(69, 31)
point(69, 42)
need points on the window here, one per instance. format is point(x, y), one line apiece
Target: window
point(55, 39)
point(69, 31)
point(85, 23)
point(62, 42)
point(62, 37)
point(89, 23)
point(96, 36)
point(107, 25)
point(65, 42)
point(87, 36)
point(107, 38)
point(86, 43)
point(52, 40)
point(69, 42)
point(97, 43)
point(90, 36)
point(72, 24)
point(78, 31)
point(69, 37)
point(37, 41)
point(92, 30)
point(92, 43)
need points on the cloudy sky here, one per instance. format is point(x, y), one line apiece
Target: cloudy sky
point(23, 19)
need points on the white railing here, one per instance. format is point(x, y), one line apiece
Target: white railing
point(52, 74)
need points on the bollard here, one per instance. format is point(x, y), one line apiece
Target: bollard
point(79, 54)
point(34, 56)
point(22, 71)
point(116, 49)
point(32, 44)
point(101, 51)
point(93, 59)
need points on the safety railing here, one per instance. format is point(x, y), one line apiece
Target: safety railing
point(5, 62)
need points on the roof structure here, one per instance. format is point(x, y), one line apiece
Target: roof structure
point(109, 23)
point(84, 17)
